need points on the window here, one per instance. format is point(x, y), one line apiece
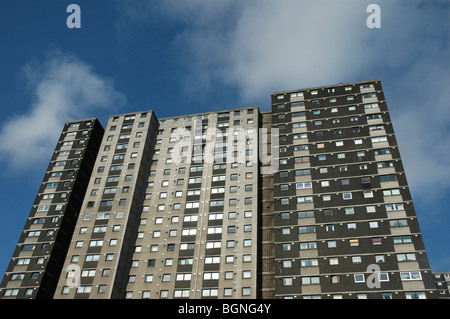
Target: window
point(297, 95)
point(379, 259)
point(306, 229)
point(333, 261)
point(369, 95)
point(109, 190)
point(406, 257)
point(121, 146)
point(43, 208)
point(299, 172)
point(298, 114)
point(303, 185)
point(216, 203)
point(189, 232)
point(328, 212)
point(310, 280)
point(354, 242)
point(215, 216)
point(304, 199)
point(398, 223)
point(308, 245)
point(106, 203)
point(394, 207)
point(402, 239)
point(368, 194)
point(359, 278)
point(379, 139)
point(304, 159)
point(233, 189)
point(391, 192)
point(373, 224)
point(336, 279)
point(376, 241)
point(415, 295)
point(212, 260)
point(297, 137)
point(247, 243)
point(288, 281)
point(411, 275)
point(112, 179)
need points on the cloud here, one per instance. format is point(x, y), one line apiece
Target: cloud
point(261, 46)
point(295, 44)
point(64, 88)
point(421, 118)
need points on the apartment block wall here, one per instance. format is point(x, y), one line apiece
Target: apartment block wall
point(198, 232)
point(102, 244)
point(267, 223)
point(38, 258)
point(341, 199)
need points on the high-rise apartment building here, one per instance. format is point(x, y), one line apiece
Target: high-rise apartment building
point(308, 200)
point(39, 256)
point(343, 223)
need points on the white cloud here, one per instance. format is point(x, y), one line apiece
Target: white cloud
point(295, 44)
point(261, 46)
point(64, 88)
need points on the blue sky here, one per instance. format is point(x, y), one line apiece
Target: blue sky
point(178, 57)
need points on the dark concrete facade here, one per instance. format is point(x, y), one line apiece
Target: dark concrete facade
point(38, 259)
